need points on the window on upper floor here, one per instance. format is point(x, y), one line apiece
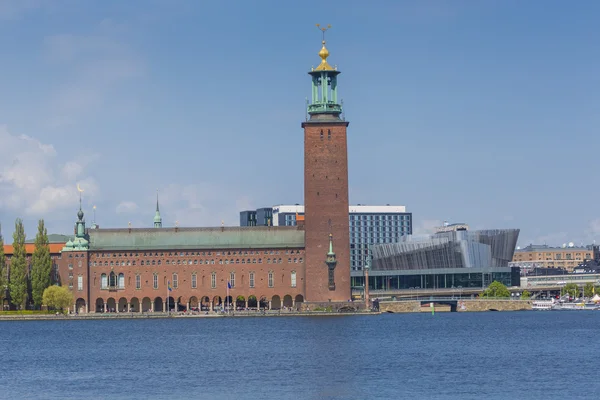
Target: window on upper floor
point(293, 278)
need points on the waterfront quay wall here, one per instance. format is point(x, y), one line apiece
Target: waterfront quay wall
point(332, 306)
point(461, 306)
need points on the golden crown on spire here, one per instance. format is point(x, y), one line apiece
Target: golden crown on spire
point(324, 53)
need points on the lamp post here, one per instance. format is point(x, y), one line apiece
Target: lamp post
point(366, 270)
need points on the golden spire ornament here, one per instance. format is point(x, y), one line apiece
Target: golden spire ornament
point(324, 53)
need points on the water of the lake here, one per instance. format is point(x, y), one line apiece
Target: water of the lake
point(518, 355)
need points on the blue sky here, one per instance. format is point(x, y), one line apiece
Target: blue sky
point(478, 111)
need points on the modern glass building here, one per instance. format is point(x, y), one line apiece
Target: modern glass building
point(369, 225)
point(447, 259)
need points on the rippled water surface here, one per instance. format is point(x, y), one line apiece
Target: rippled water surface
point(393, 356)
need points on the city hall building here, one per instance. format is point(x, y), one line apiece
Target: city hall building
point(159, 268)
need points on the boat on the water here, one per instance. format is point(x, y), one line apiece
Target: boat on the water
point(575, 306)
point(542, 305)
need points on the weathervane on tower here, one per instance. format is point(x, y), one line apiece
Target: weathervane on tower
point(324, 53)
point(323, 30)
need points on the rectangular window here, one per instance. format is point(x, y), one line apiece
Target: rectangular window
point(155, 283)
point(213, 280)
point(138, 281)
point(194, 281)
point(175, 281)
point(270, 279)
point(293, 278)
point(80, 283)
point(251, 279)
point(104, 281)
point(232, 279)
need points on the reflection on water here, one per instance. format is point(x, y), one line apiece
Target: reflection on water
point(446, 356)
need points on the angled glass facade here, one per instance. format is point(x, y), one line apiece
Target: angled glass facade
point(455, 249)
point(448, 259)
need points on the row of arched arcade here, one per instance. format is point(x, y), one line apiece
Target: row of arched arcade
point(206, 303)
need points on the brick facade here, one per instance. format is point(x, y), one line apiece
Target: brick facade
point(326, 208)
point(133, 293)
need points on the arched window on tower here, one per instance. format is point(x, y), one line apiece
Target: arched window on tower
point(103, 281)
point(121, 281)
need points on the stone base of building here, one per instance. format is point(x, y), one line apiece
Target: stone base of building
point(332, 306)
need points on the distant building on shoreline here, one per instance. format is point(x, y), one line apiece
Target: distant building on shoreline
point(568, 256)
point(369, 225)
point(56, 243)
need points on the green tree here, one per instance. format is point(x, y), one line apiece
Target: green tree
point(571, 289)
point(525, 295)
point(3, 280)
point(17, 284)
point(57, 297)
point(41, 264)
point(496, 289)
point(588, 289)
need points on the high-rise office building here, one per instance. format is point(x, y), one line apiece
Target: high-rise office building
point(368, 225)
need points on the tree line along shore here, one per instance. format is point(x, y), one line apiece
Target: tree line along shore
point(23, 282)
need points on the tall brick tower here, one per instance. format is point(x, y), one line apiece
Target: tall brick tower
point(326, 188)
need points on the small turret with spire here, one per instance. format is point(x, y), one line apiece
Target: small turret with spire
point(157, 217)
point(331, 263)
point(80, 241)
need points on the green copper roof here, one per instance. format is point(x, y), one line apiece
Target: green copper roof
point(196, 238)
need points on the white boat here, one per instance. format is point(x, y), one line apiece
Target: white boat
point(575, 306)
point(542, 305)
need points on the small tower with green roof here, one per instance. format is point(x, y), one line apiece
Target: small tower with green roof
point(80, 241)
point(157, 217)
point(331, 263)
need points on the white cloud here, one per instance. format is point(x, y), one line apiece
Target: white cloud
point(426, 226)
point(126, 207)
point(71, 170)
point(202, 204)
point(32, 179)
